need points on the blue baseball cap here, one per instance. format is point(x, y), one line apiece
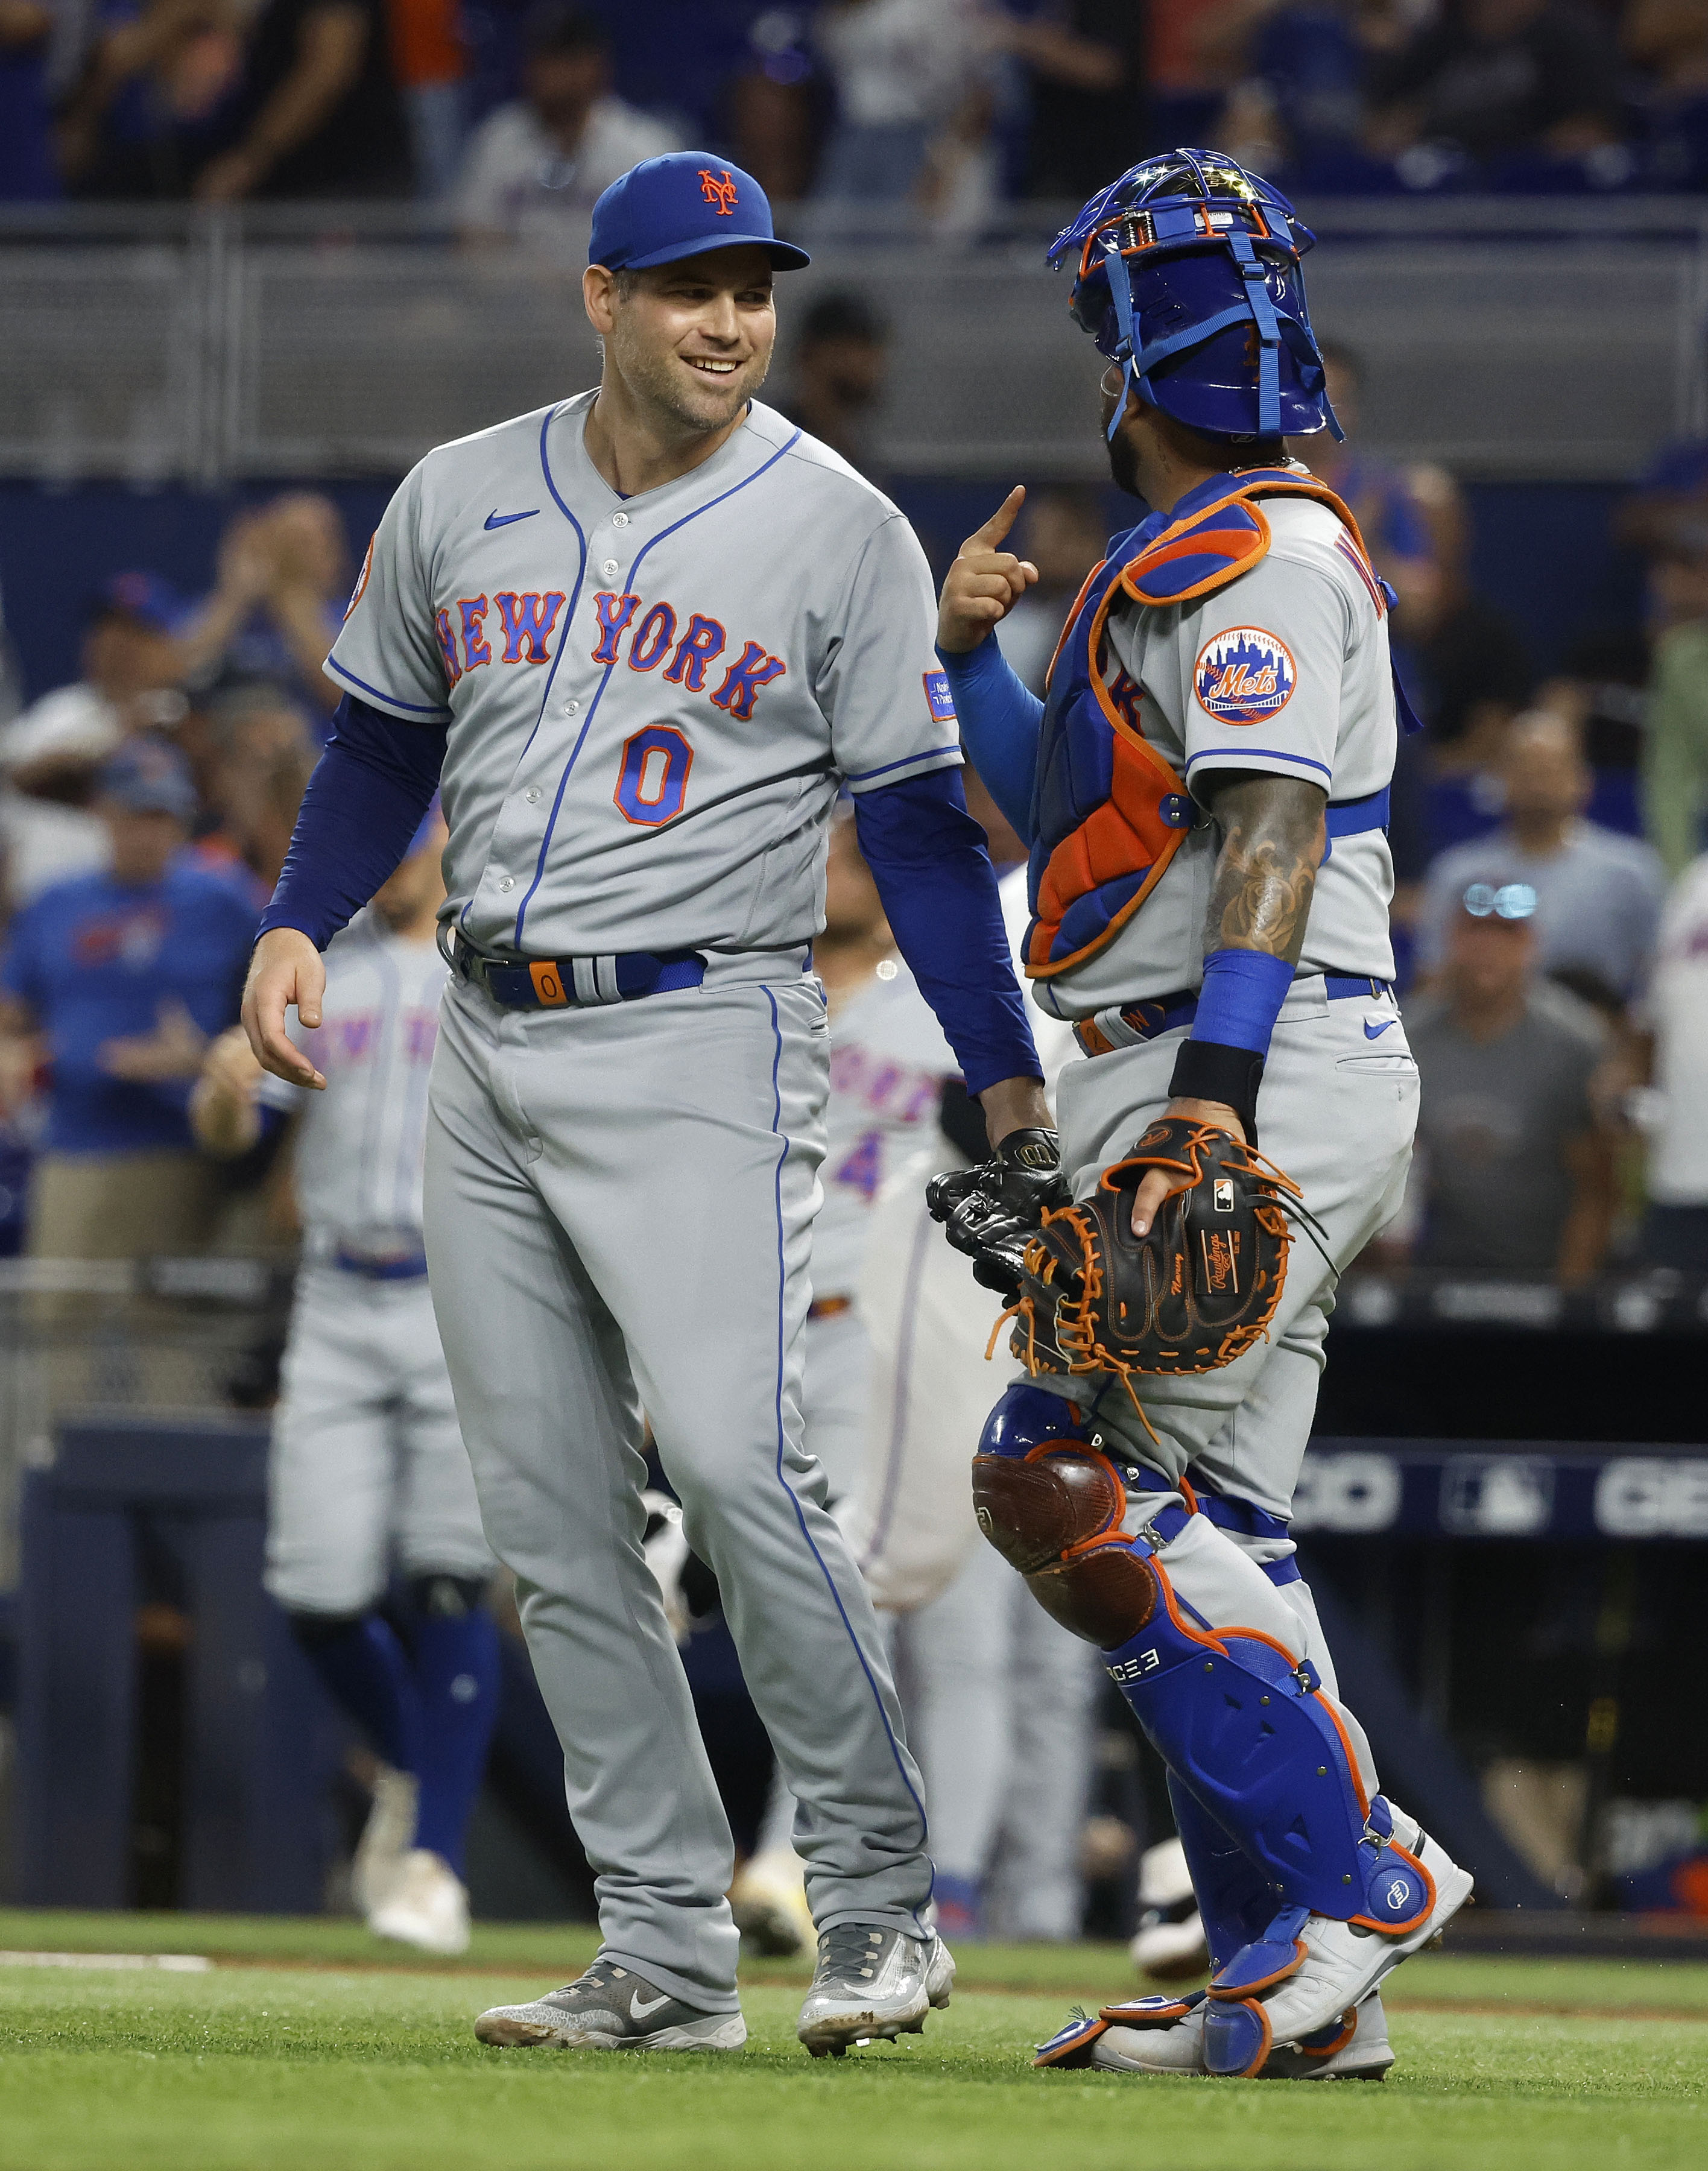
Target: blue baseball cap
point(682, 204)
point(145, 597)
point(147, 776)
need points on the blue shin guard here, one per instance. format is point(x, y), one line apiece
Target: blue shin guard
point(1235, 1901)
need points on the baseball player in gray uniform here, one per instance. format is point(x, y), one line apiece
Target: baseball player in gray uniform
point(368, 1471)
point(647, 635)
point(1205, 792)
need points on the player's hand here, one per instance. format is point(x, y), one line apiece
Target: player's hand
point(1156, 1186)
point(985, 582)
point(174, 1050)
point(286, 970)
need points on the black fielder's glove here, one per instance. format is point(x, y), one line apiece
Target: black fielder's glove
point(993, 1211)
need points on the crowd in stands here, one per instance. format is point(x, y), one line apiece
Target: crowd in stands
point(517, 115)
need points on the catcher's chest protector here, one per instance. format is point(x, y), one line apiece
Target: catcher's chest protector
point(1108, 811)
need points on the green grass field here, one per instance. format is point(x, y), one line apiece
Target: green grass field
point(309, 2047)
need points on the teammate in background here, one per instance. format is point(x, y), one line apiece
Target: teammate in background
point(368, 1472)
point(888, 1062)
point(998, 1695)
point(648, 634)
point(1204, 792)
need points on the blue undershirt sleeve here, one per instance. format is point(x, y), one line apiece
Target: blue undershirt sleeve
point(364, 803)
point(1000, 719)
point(927, 856)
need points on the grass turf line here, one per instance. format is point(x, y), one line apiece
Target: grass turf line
point(274, 2069)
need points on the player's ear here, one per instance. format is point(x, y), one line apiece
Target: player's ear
point(599, 296)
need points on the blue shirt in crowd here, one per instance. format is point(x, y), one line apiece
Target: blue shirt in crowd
point(94, 961)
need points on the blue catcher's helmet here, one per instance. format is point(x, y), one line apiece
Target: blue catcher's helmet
point(1189, 276)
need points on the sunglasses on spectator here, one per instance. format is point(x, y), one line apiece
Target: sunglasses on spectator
point(1510, 901)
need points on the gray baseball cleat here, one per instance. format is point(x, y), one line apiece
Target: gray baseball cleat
point(872, 1983)
point(610, 2008)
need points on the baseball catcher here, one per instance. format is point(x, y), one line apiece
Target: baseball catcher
point(1204, 792)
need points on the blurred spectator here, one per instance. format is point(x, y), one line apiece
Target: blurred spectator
point(902, 70)
point(1598, 894)
point(1675, 1229)
point(1186, 85)
point(157, 97)
point(319, 114)
point(1465, 662)
point(27, 169)
point(1515, 1172)
point(265, 759)
point(120, 979)
point(1675, 756)
point(841, 358)
point(1378, 494)
point(49, 756)
point(1492, 76)
point(277, 600)
point(772, 104)
point(1064, 535)
point(1668, 39)
point(535, 168)
point(430, 65)
point(1084, 64)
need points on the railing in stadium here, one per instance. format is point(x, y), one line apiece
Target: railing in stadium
point(1511, 339)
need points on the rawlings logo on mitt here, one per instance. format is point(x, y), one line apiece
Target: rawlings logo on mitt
point(1190, 1296)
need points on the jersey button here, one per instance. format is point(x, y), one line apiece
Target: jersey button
point(571, 708)
point(508, 882)
point(620, 520)
point(532, 795)
point(609, 569)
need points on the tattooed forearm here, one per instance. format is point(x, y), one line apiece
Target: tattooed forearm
point(1272, 845)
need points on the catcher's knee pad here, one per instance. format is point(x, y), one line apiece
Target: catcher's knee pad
point(1051, 1504)
point(1251, 1735)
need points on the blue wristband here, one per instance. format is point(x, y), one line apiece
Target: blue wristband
point(1241, 998)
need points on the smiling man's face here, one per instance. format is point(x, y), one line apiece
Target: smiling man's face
point(693, 339)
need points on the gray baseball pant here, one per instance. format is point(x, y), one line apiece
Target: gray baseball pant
point(620, 1203)
point(367, 1462)
point(1337, 1110)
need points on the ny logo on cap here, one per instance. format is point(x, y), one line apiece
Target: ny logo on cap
point(719, 190)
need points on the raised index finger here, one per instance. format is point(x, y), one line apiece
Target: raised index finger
point(999, 521)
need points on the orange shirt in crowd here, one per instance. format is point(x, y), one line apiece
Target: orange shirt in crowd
point(427, 42)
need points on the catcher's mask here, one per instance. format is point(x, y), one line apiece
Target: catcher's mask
point(1189, 276)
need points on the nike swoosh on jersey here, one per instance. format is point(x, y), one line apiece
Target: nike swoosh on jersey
point(497, 519)
point(640, 2007)
point(1376, 1032)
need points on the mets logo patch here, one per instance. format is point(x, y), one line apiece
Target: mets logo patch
point(938, 693)
point(1244, 675)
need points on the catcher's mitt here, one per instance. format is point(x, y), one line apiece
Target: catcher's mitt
point(993, 1211)
point(1190, 1296)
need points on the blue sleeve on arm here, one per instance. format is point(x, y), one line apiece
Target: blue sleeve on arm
point(927, 856)
point(1000, 720)
point(1241, 998)
point(363, 804)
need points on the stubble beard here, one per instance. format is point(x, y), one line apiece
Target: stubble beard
point(656, 380)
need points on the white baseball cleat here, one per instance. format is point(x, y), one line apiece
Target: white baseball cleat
point(1337, 1965)
point(769, 1902)
point(425, 1905)
point(1169, 1943)
point(1166, 2035)
point(872, 1985)
point(386, 1838)
point(610, 2008)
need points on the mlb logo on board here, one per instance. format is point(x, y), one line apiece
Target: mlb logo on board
point(1244, 675)
point(936, 692)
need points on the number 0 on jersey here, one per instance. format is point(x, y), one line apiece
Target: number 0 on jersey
point(653, 781)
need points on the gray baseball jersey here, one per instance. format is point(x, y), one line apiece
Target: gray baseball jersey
point(361, 1142)
point(652, 702)
point(1306, 624)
